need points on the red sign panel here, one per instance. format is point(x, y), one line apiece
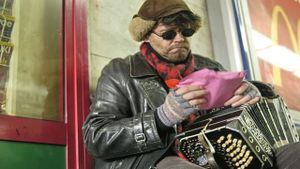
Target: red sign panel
point(276, 37)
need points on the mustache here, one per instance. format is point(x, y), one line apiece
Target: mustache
point(180, 46)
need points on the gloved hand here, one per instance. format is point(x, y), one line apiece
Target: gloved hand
point(247, 93)
point(180, 103)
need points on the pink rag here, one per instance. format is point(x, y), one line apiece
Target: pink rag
point(220, 85)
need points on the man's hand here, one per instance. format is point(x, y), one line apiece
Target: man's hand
point(180, 103)
point(245, 94)
point(193, 94)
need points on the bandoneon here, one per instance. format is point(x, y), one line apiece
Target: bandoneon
point(245, 137)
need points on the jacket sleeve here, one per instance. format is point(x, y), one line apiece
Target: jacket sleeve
point(112, 129)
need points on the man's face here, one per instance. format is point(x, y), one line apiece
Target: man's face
point(175, 49)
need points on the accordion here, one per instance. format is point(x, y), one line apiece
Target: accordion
point(245, 137)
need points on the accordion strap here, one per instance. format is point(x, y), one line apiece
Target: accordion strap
point(209, 155)
point(209, 160)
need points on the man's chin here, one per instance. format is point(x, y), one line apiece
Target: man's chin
point(178, 57)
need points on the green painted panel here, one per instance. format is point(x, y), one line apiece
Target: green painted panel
point(17, 155)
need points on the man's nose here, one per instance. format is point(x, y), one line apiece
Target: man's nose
point(179, 36)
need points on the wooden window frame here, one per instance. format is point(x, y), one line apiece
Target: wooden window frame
point(75, 97)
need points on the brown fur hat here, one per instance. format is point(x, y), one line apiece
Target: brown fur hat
point(150, 12)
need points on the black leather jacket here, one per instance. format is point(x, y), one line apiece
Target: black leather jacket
point(121, 132)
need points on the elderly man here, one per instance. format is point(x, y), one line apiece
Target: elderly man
point(133, 114)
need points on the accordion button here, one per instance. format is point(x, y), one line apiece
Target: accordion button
point(239, 143)
point(234, 159)
point(219, 141)
point(247, 154)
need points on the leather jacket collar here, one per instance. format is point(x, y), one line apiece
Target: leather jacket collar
point(140, 68)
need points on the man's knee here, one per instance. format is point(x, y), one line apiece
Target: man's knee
point(288, 157)
point(174, 162)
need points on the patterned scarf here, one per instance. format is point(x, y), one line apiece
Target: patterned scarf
point(167, 70)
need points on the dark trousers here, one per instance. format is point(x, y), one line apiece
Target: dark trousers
point(174, 162)
point(288, 157)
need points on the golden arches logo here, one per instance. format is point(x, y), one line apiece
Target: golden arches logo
point(295, 39)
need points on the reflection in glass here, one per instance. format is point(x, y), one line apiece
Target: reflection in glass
point(33, 78)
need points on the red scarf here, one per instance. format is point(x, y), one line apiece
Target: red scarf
point(168, 71)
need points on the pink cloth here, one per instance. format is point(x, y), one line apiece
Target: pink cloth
point(220, 85)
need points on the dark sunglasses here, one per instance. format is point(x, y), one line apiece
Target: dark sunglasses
point(169, 35)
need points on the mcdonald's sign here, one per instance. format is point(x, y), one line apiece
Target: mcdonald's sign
point(279, 21)
point(295, 41)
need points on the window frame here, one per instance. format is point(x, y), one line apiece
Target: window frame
point(74, 98)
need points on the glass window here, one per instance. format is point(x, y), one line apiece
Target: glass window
point(31, 59)
point(276, 41)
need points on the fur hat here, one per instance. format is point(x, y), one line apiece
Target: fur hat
point(150, 12)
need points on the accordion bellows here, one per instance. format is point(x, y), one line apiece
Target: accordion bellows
point(245, 137)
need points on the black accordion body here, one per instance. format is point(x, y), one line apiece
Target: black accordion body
point(245, 137)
